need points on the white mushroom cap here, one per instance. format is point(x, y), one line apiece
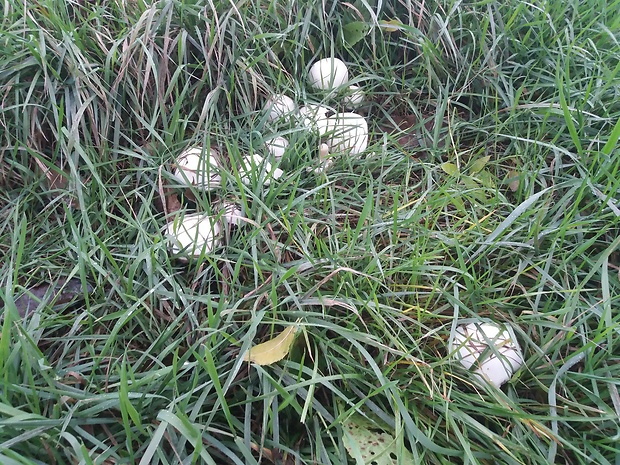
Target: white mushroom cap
point(255, 165)
point(197, 167)
point(346, 133)
point(232, 213)
point(490, 348)
point(280, 106)
point(314, 118)
point(277, 146)
point(354, 98)
point(193, 235)
point(328, 74)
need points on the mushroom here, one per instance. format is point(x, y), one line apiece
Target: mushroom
point(280, 106)
point(193, 235)
point(314, 118)
point(346, 133)
point(232, 213)
point(277, 146)
point(328, 74)
point(354, 98)
point(489, 347)
point(253, 165)
point(197, 167)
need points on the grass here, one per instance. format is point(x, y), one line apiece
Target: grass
point(489, 190)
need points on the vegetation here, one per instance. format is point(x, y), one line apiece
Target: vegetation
point(489, 190)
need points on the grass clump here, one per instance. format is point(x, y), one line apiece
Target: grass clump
point(489, 190)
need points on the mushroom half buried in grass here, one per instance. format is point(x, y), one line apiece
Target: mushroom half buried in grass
point(192, 236)
point(314, 118)
point(328, 74)
point(346, 133)
point(488, 347)
point(280, 106)
point(354, 97)
point(232, 213)
point(256, 166)
point(198, 167)
point(277, 146)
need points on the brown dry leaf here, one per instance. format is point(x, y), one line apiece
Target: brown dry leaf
point(168, 199)
point(513, 178)
point(55, 179)
point(173, 204)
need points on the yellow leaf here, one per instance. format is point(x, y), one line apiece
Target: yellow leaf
point(450, 168)
point(392, 25)
point(274, 350)
point(479, 164)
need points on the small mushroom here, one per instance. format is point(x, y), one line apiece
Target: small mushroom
point(193, 235)
point(232, 213)
point(328, 74)
point(277, 146)
point(280, 106)
point(255, 165)
point(198, 167)
point(346, 133)
point(314, 118)
point(488, 347)
point(354, 97)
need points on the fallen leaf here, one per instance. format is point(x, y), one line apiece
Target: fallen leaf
point(486, 178)
point(274, 350)
point(355, 31)
point(366, 444)
point(479, 164)
point(513, 180)
point(450, 168)
point(392, 25)
point(55, 179)
point(62, 291)
point(173, 204)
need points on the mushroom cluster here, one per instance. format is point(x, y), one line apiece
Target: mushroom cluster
point(191, 235)
point(343, 132)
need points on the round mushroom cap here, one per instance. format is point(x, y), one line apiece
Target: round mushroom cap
point(328, 74)
point(277, 146)
point(490, 349)
point(280, 106)
point(193, 235)
point(255, 165)
point(354, 98)
point(314, 118)
point(346, 133)
point(198, 167)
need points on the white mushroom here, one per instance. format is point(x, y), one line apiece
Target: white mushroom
point(346, 133)
point(280, 106)
point(193, 235)
point(314, 118)
point(255, 165)
point(198, 167)
point(328, 74)
point(354, 98)
point(277, 146)
point(490, 348)
point(232, 213)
